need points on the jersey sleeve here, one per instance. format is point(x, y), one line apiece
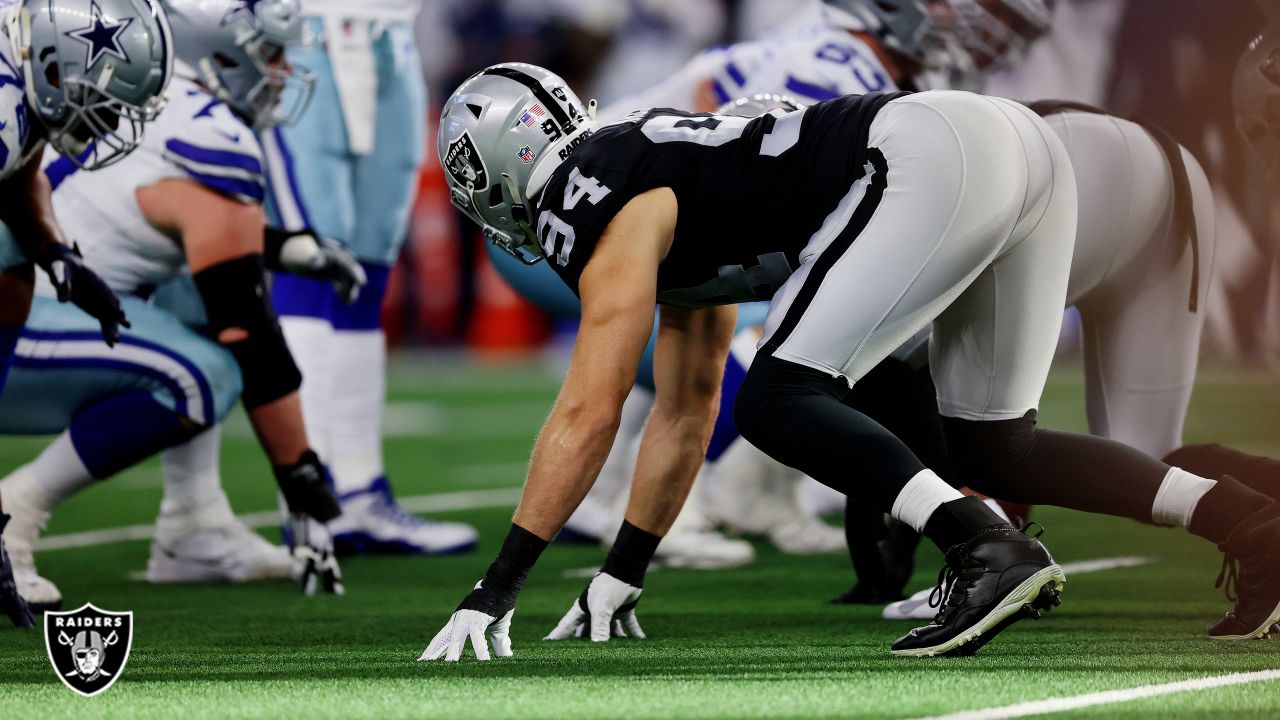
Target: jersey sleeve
point(218, 151)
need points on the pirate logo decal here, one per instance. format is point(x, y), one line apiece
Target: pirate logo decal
point(88, 647)
point(464, 163)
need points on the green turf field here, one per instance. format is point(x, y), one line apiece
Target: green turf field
point(755, 642)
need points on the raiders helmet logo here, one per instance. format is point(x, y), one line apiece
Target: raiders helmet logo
point(464, 163)
point(88, 647)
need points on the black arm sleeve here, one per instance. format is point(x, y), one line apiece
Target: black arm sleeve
point(241, 319)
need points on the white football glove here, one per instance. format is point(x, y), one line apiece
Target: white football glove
point(313, 256)
point(314, 563)
point(607, 607)
point(474, 625)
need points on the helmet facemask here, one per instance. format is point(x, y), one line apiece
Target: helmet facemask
point(257, 84)
point(987, 34)
point(83, 119)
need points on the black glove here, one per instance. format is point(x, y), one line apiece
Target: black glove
point(76, 283)
point(306, 490)
point(11, 603)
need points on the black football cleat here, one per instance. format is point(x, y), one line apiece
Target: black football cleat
point(1251, 574)
point(11, 603)
point(1000, 576)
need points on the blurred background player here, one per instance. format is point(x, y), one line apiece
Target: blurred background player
point(348, 170)
point(188, 200)
point(85, 82)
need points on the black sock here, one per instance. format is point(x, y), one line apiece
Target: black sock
point(955, 522)
point(630, 555)
point(520, 550)
point(1223, 507)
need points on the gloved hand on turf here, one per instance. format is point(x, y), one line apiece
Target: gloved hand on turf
point(311, 506)
point(11, 603)
point(314, 563)
point(76, 283)
point(483, 612)
point(607, 608)
point(307, 254)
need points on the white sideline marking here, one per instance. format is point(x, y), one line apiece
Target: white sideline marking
point(1111, 563)
point(1108, 697)
point(440, 502)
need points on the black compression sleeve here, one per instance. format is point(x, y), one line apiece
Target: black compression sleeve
point(501, 585)
point(241, 320)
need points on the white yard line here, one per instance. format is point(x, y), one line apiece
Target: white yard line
point(1108, 697)
point(441, 502)
point(1111, 563)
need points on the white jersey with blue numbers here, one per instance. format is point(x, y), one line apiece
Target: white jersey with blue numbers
point(812, 63)
point(13, 108)
point(195, 138)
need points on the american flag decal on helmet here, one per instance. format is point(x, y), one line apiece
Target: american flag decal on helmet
point(531, 114)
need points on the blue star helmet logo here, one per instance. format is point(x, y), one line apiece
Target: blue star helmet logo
point(246, 8)
point(102, 36)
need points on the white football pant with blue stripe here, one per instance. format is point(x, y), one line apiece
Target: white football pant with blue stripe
point(355, 187)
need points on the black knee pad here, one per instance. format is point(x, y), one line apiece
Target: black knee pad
point(987, 454)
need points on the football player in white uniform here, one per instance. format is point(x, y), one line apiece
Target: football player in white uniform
point(188, 201)
point(83, 77)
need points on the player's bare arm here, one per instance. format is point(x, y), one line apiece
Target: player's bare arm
point(688, 368)
point(34, 226)
point(618, 288)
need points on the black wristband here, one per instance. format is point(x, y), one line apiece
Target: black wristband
point(630, 555)
point(497, 593)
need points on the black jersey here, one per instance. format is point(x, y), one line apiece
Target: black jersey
point(751, 193)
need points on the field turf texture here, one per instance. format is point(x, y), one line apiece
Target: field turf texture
point(749, 643)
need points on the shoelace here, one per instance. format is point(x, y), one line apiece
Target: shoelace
point(1229, 575)
point(948, 581)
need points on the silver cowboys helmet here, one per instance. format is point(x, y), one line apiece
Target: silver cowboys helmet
point(95, 72)
point(502, 133)
point(982, 34)
point(236, 49)
point(902, 25)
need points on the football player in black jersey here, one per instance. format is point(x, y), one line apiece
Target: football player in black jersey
point(863, 219)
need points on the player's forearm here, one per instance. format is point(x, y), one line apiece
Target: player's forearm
point(671, 452)
point(567, 457)
point(30, 215)
point(280, 430)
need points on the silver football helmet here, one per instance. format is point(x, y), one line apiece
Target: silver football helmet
point(95, 72)
point(502, 133)
point(902, 25)
point(236, 49)
point(982, 34)
point(1256, 97)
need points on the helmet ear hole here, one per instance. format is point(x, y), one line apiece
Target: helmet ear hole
point(475, 109)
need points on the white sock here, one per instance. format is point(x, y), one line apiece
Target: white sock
point(191, 476)
point(59, 472)
point(923, 495)
point(1178, 496)
point(311, 341)
point(355, 406)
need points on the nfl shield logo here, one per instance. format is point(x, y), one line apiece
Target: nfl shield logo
point(88, 647)
point(526, 154)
